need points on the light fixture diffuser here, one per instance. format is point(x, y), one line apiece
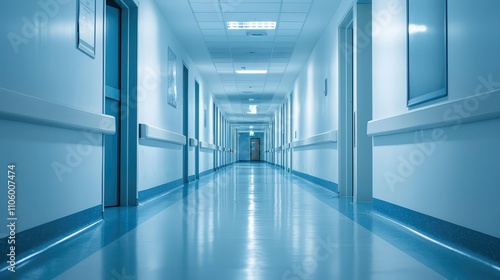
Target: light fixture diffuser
point(252, 109)
point(245, 71)
point(255, 25)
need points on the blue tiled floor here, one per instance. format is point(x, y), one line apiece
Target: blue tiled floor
point(249, 221)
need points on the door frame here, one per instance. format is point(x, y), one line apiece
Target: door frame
point(355, 153)
point(254, 138)
point(128, 108)
point(197, 127)
point(363, 155)
point(185, 122)
point(346, 87)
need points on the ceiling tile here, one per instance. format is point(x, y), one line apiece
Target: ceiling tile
point(251, 16)
point(205, 7)
point(251, 40)
point(223, 65)
point(282, 55)
point(209, 16)
point(222, 60)
point(285, 39)
point(215, 39)
point(211, 32)
point(279, 60)
point(250, 7)
point(293, 16)
point(290, 25)
point(287, 32)
point(294, 7)
point(217, 25)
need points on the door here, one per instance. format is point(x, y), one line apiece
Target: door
point(112, 106)
point(255, 149)
point(197, 128)
point(185, 120)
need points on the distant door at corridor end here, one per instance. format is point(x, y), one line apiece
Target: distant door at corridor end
point(255, 149)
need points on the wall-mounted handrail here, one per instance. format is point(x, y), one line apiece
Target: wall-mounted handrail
point(16, 106)
point(193, 142)
point(327, 137)
point(207, 146)
point(154, 133)
point(483, 107)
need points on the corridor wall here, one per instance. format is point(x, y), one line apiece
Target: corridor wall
point(158, 163)
point(440, 159)
point(313, 112)
point(48, 90)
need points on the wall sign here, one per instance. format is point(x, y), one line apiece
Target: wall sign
point(172, 79)
point(86, 26)
point(427, 50)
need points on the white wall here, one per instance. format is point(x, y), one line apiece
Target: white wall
point(457, 178)
point(206, 133)
point(44, 62)
point(159, 162)
point(313, 112)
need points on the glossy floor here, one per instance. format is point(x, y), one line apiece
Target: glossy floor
point(249, 221)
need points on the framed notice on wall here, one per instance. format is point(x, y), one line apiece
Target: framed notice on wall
point(86, 26)
point(172, 79)
point(427, 50)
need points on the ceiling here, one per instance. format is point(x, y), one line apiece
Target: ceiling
point(217, 52)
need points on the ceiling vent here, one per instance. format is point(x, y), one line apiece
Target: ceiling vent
point(256, 33)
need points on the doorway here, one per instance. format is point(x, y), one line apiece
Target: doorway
point(112, 94)
point(197, 128)
point(254, 149)
point(355, 154)
point(120, 100)
point(185, 123)
point(346, 123)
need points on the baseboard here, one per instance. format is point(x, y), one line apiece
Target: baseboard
point(467, 240)
point(192, 178)
point(156, 191)
point(207, 172)
point(331, 186)
point(40, 237)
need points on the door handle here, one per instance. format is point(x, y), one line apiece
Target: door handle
point(354, 126)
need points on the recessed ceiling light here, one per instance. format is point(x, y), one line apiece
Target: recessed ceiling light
point(251, 25)
point(252, 109)
point(245, 71)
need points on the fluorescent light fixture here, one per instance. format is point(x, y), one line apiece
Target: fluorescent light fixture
point(415, 28)
point(244, 71)
point(252, 109)
point(251, 25)
point(251, 127)
point(251, 133)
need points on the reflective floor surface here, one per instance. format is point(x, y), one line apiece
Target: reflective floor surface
point(249, 221)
